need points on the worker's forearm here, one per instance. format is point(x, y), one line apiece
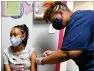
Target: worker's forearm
point(55, 57)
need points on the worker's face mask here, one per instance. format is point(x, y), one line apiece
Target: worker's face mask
point(15, 41)
point(58, 24)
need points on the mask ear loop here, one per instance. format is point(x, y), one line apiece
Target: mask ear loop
point(24, 36)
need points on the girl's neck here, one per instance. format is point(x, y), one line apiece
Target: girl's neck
point(17, 49)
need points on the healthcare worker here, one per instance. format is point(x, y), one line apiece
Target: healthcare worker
point(78, 42)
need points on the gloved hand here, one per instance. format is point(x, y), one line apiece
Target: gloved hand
point(39, 61)
point(48, 52)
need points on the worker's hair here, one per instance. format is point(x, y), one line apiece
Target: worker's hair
point(57, 6)
point(25, 31)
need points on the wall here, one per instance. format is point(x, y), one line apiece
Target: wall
point(83, 5)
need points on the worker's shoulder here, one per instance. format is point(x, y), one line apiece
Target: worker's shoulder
point(85, 12)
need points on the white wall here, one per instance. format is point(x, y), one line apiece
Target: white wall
point(83, 5)
point(39, 37)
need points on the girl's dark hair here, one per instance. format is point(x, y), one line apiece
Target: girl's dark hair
point(56, 7)
point(25, 31)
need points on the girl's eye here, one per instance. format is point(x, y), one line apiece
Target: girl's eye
point(14, 34)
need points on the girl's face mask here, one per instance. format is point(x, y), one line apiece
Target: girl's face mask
point(15, 41)
point(58, 24)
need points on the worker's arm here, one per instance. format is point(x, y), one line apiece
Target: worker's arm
point(60, 56)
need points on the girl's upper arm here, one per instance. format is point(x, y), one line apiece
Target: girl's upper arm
point(7, 67)
point(6, 62)
point(5, 59)
point(33, 61)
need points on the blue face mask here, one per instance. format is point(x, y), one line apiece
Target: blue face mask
point(58, 24)
point(15, 41)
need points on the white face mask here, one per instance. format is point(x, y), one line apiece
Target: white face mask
point(15, 41)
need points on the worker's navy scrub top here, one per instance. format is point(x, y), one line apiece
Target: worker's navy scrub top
point(79, 35)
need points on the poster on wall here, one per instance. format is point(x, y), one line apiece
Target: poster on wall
point(21, 13)
point(16, 9)
point(27, 7)
point(40, 7)
point(3, 9)
point(12, 8)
